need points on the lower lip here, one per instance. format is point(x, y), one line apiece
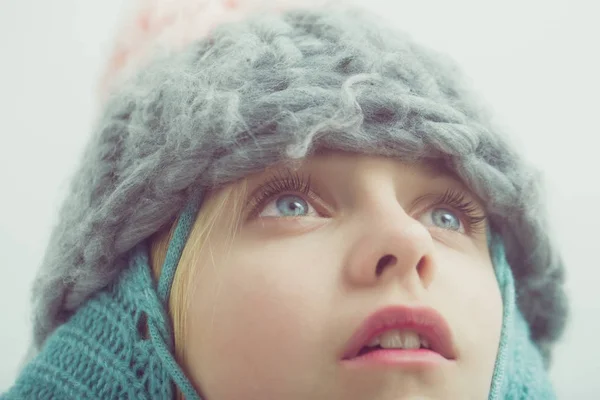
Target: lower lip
point(417, 358)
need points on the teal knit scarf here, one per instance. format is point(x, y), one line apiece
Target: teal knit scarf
point(102, 352)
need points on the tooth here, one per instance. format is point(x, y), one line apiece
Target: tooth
point(390, 339)
point(410, 340)
point(399, 340)
point(374, 342)
point(424, 343)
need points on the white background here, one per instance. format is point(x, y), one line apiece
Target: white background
point(537, 63)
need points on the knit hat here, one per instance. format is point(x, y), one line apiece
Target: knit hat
point(183, 123)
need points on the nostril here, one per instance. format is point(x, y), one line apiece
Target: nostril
point(421, 266)
point(385, 261)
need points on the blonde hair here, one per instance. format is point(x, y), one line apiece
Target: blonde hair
point(229, 200)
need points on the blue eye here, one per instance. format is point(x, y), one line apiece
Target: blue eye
point(286, 195)
point(288, 205)
point(272, 200)
point(456, 212)
point(291, 206)
point(446, 219)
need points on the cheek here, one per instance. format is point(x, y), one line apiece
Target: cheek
point(483, 302)
point(263, 308)
point(476, 314)
point(469, 283)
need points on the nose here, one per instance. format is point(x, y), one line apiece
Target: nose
point(391, 246)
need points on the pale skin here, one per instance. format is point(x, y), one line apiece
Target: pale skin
point(271, 314)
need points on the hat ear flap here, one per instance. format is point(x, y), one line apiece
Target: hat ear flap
point(519, 370)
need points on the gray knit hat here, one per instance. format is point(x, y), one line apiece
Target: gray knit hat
point(277, 87)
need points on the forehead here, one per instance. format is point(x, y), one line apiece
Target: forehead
point(339, 163)
point(430, 168)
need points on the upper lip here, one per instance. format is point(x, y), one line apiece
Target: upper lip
point(425, 321)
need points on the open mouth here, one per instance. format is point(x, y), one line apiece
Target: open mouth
point(414, 330)
point(396, 340)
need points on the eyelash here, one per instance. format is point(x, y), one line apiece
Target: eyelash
point(469, 210)
point(293, 182)
point(283, 182)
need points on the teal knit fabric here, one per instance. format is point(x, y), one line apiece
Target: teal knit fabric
point(519, 373)
point(102, 352)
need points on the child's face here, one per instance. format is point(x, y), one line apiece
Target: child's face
point(271, 315)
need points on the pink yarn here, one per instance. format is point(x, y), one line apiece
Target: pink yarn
point(163, 25)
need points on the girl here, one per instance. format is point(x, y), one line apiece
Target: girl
point(301, 204)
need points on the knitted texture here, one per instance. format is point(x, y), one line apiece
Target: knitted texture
point(280, 87)
point(164, 26)
point(519, 370)
point(103, 352)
